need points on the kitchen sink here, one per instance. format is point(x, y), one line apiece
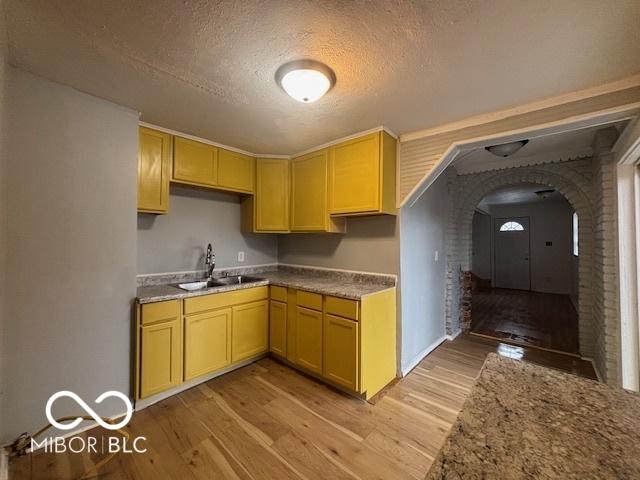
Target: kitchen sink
point(191, 286)
point(233, 280)
point(218, 282)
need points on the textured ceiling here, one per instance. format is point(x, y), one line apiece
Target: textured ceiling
point(207, 67)
point(549, 148)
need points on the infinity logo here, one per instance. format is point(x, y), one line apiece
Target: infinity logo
point(89, 410)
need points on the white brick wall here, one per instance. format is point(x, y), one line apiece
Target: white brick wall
point(588, 184)
point(606, 334)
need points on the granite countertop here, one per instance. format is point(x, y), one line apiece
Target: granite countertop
point(523, 421)
point(327, 282)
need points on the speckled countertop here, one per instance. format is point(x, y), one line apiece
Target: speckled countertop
point(523, 421)
point(328, 282)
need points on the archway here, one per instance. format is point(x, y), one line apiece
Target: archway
point(573, 185)
point(525, 268)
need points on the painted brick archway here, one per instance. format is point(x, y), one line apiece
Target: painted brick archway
point(574, 182)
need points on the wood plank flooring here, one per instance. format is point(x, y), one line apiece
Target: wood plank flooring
point(526, 318)
point(267, 421)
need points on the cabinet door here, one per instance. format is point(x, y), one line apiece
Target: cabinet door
point(154, 164)
point(207, 342)
point(194, 162)
point(309, 192)
point(160, 357)
point(309, 339)
point(278, 328)
point(341, 351)
point(250, 330)
point(272, 195)
point(235, 171)
point(354, 176)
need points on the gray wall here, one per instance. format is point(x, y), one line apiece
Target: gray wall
point(177, 241)
point(371, 244)
point(551, 266)
point(422, 233)
point(71, 253)
point(482, 254)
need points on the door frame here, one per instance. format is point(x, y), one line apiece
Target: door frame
point(628, 187)
point(493, 248)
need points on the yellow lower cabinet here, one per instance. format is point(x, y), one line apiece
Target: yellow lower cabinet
point(250, 330)
point(309, 339)
point(278, 328)
point(160, 357)
point(207, 342)
point(341, 353)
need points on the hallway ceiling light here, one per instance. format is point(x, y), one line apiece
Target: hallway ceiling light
point(305, 80)
point(506, 149)
point(544, 193)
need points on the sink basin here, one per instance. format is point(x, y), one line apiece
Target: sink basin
point(193, 286)
point(233, 280)
point(218, 282)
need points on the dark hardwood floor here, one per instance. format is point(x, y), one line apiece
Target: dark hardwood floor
point(526, 318)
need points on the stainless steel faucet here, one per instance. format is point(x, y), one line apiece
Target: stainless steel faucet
point(210, 261)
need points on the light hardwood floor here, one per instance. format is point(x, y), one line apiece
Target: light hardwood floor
point(266, 421)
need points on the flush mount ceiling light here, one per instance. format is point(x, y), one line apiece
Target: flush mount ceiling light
point(544, 193)
point(506, 149)
point(305, 80)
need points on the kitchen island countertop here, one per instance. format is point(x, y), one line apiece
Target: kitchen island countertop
point(524, 421)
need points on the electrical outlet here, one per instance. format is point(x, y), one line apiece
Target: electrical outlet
point(241, 256)
point(435, 256)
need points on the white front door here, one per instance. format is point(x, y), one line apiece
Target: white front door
point(511, 256)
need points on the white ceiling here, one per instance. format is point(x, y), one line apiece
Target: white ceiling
point(207, 67)
point(550, 148)
point(518, 194)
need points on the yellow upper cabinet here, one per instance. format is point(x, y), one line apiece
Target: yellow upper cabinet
point(235, 171)
point(154, 164)
point(268, 211)
point(309, 206)
point(362, 176)
point(194, 163)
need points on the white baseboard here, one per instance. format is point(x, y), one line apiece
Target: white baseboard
point(453, 336)
point(418, 358)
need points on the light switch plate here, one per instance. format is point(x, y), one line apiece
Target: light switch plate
point(435, 256)
point(241, 256)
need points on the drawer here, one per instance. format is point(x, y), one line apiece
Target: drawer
point(226, 299)
point(159, 311)
point(342, 307)
point(309, 300)
point(278, 293)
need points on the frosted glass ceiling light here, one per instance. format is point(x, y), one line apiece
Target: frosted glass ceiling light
point(506, 149)
point(305, 80)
